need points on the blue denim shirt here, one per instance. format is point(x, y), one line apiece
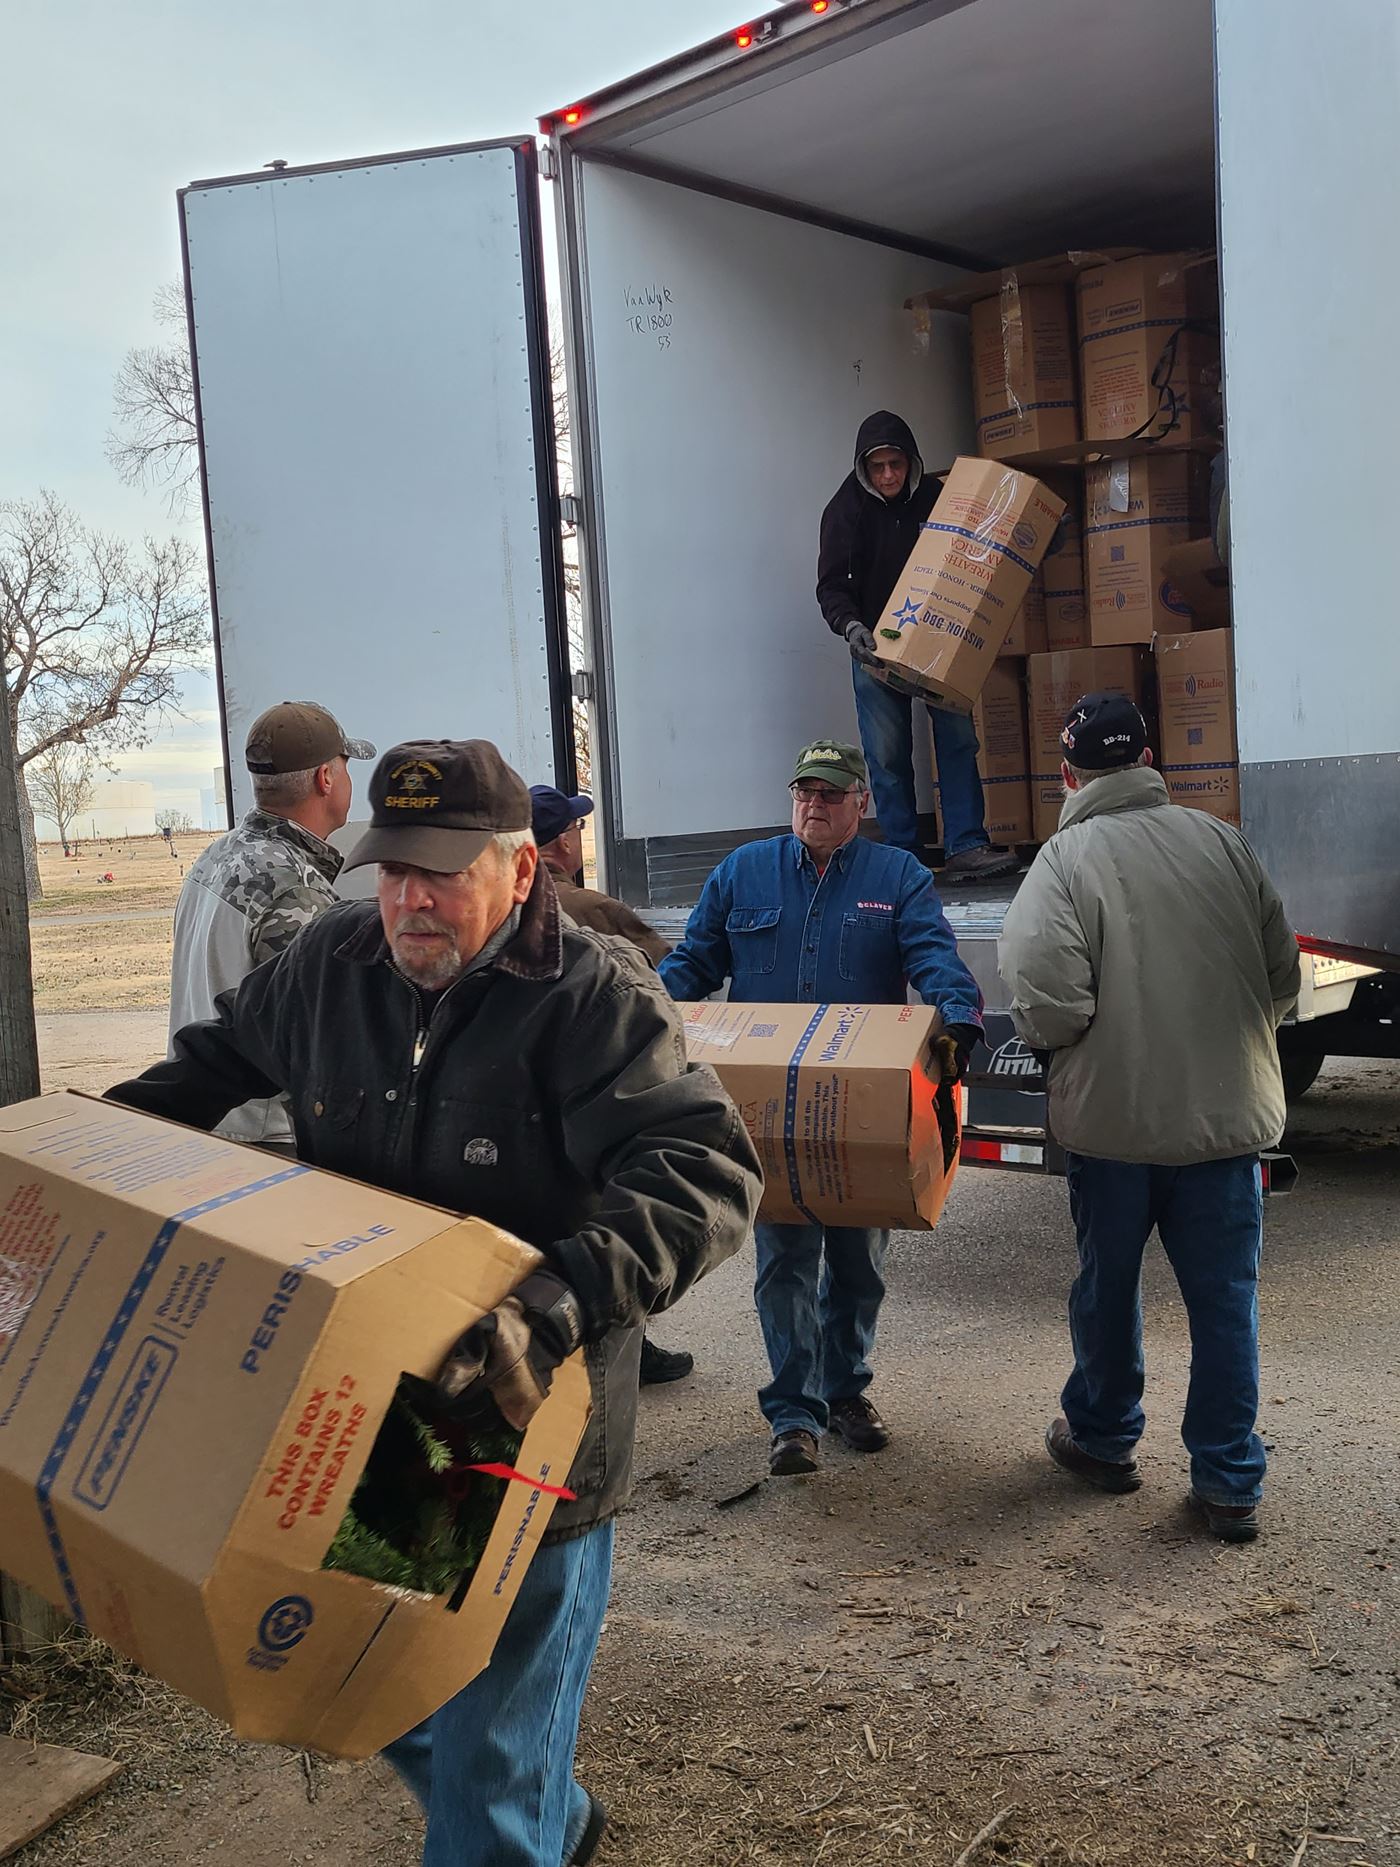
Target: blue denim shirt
point(861, 932)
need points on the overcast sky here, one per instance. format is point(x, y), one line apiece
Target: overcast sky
point(110, 108)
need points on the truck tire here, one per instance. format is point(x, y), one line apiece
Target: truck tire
point(1300, 1068)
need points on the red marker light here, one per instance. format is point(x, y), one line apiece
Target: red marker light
point(743, 39)
point(573, 116)
point(820, 6)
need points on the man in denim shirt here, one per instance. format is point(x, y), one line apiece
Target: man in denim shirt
point(819, 916)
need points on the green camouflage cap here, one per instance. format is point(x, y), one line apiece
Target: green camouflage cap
point(840, 765)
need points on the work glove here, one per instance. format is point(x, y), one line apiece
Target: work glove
point(510, 1356)
point(954, 1047)
point(861, 644)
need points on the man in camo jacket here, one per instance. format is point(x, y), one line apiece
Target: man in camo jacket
point(252, 891)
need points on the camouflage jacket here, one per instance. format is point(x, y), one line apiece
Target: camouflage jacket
point(248, 896)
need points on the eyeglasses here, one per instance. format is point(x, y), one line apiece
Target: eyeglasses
point(821, 793)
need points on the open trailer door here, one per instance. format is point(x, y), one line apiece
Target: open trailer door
point(377, 453)
point(1310, 275)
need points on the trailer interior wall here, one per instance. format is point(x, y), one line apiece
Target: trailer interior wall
point(732, 356)
point(377, 455)
point(1309, 204)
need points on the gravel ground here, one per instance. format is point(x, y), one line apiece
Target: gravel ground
point(867, 1666)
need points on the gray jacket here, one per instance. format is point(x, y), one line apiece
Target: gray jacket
point(247, 897)
point(1149, 951)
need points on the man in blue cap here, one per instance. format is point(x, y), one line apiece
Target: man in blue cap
point(557, 820)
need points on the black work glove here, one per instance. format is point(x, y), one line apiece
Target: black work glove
point(511, 1354)
point(956, 1044)
point(861, 644)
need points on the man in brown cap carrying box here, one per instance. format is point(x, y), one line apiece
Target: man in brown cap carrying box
point(253, 890)
point(460, 1043)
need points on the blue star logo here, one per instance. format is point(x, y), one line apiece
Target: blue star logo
point(909, 613)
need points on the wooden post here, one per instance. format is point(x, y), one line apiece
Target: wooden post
point(26, 1622)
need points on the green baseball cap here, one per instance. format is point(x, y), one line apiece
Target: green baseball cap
point(840, 765)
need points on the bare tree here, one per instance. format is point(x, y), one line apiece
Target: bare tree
point(173, 820)
point(60, 784)
point(154, 444)
point(95, 635)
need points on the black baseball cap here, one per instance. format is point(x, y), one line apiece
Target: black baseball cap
point(1103, 733)
point(298, 735)
point(437, 803)
point(553, 811)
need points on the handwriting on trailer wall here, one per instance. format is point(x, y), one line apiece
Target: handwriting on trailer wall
point(651, 313)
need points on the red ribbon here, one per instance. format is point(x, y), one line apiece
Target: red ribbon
point(524, 1478)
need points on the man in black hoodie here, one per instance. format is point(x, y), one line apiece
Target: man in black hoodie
point(868, 531)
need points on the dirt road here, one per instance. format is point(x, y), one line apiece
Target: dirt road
point(864, 1666)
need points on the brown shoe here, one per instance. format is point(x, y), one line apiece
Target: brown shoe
point(982, 863)
point(1232, 1523)
point(1103, 1474)
point(794, 1453)
point(859, 1424)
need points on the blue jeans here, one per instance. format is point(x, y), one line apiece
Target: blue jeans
point(887, 738)
point(494, 1769)
point(818, 1319)
point(1210, 1219)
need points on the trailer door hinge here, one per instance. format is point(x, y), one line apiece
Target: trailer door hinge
point(583, 684)
point(549, 166)
point(570, 510)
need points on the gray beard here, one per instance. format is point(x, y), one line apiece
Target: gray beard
point(434, 975)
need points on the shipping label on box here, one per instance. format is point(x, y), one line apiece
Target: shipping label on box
point(198, 1346)
point(966, 577)
point(844, 1104)
point(1196, 695)
point(1025, 396)
point(1149, 348)
point(1057, 681)
point(1138, 512)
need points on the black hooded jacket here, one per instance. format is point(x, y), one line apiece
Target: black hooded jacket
point(866, 540)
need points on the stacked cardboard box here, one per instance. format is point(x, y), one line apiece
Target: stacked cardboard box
point(1138, 511)
point(1148, 347)
point(1062, 572)
point(1023, 381)
point(1056, 682)
point(966, 578)
point(1003, 756)
point(1196, 695)
point(1026, 635)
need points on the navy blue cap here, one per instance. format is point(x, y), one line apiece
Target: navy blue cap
point(552, 812)
point(1104, 732)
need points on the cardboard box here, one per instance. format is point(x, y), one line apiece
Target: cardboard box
point(1003, 755)
point(1155, 316)
point(1062, 571)
point(1027, 633)
point(1056, 682)
point(1024, 392)
point(966, 577)
point(1195, 572)
point(844, 1104)
point(1196, 695)
point(197, 1347)
point(1138, 512)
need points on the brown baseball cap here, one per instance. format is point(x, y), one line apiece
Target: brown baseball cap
point(297, 735)
point(437, 803)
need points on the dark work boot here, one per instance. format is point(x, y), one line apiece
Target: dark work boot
point(663, 1364)
point(1103, 1474)
point(859, 1424)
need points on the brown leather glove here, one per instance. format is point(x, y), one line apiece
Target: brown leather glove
point(954, 1047)
point(509, 1357)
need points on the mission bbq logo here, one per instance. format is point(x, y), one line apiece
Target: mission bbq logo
point(414, 785)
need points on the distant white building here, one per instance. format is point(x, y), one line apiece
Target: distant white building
point(120, 807)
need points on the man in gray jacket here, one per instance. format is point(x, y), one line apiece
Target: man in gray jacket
point(1149, 953)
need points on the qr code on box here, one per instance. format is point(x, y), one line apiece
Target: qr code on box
point(1195, 735)
point(763, 1030)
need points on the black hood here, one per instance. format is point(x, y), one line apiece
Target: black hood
point(882, 429)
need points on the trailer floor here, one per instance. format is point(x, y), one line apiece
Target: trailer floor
point(868, 1665)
